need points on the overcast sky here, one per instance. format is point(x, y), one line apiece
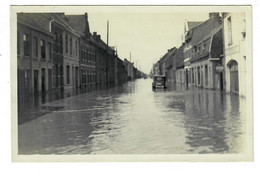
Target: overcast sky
point(146, 32)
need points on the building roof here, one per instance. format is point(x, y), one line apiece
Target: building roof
point(209, 36)
point(168, 57)
point(79, 23)
point(192, 24)
point(61, 20)
point(199, 32)
point(179, 57)
point(37, 21)
point(100, 43)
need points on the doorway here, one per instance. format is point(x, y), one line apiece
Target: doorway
point(35, 80)
point(234, 81)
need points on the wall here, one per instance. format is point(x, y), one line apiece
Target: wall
point(236, 50)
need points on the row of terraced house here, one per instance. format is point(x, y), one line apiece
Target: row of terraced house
point(58, 52)
point(212, 55)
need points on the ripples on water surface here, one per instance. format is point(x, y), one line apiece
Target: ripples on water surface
point(134, 119)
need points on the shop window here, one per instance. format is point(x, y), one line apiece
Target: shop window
point(198, 69)
point(206, 75)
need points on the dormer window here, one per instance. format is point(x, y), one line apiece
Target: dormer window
point(204, 47)
point(198, 50)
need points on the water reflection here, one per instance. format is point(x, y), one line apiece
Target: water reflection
point(134, 119)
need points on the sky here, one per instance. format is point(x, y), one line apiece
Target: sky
point(145, 32)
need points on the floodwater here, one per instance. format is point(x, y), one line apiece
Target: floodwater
point(134, 119)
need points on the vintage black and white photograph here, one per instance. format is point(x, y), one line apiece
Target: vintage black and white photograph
point(169, 82)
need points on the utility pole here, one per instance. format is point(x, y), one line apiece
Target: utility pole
point(107, 33)
point(107, 65)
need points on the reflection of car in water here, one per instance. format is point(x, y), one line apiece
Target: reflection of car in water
point(159, 82)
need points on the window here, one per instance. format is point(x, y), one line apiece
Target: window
point(198, 50)
point(26, 45)
point(206, 75)
point(55, 47)
point(204, 47)
point(18, 43)
point(58, 43)
point(68, 74)
point(70, 46)
point(193, 76)
point(244, 62)
point(50, 51)
point(76, 45)
point(82, 53)
point(88, 58)
point(244, 29)
point(85, 55)
point(198, 69)
point(43, 49)
point(229, 31)
point(35, 47)
point(66, 44)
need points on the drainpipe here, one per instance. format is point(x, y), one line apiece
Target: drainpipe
point(50, 24)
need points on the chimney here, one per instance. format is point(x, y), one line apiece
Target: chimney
point(87, 31)
point(213, 14)
point(86, 15)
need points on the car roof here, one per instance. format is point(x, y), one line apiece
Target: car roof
point(159, 76)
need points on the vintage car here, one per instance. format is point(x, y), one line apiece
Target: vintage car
point(159, 81)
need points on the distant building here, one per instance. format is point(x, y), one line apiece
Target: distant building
point(235, 52)
point(156, 69)
point(104, 61)
point(129, 66)
point(170, 65)
point(179, 65)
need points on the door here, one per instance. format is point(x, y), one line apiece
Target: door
point(49, 79)
point(61, 77)
point(187, 77)
point(234, 84)
point(35, 80)
point(43, 80)
point(77, 76)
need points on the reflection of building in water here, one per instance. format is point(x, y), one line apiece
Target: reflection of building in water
point(212, 122)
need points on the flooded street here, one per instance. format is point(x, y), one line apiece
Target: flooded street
point(134, 119)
